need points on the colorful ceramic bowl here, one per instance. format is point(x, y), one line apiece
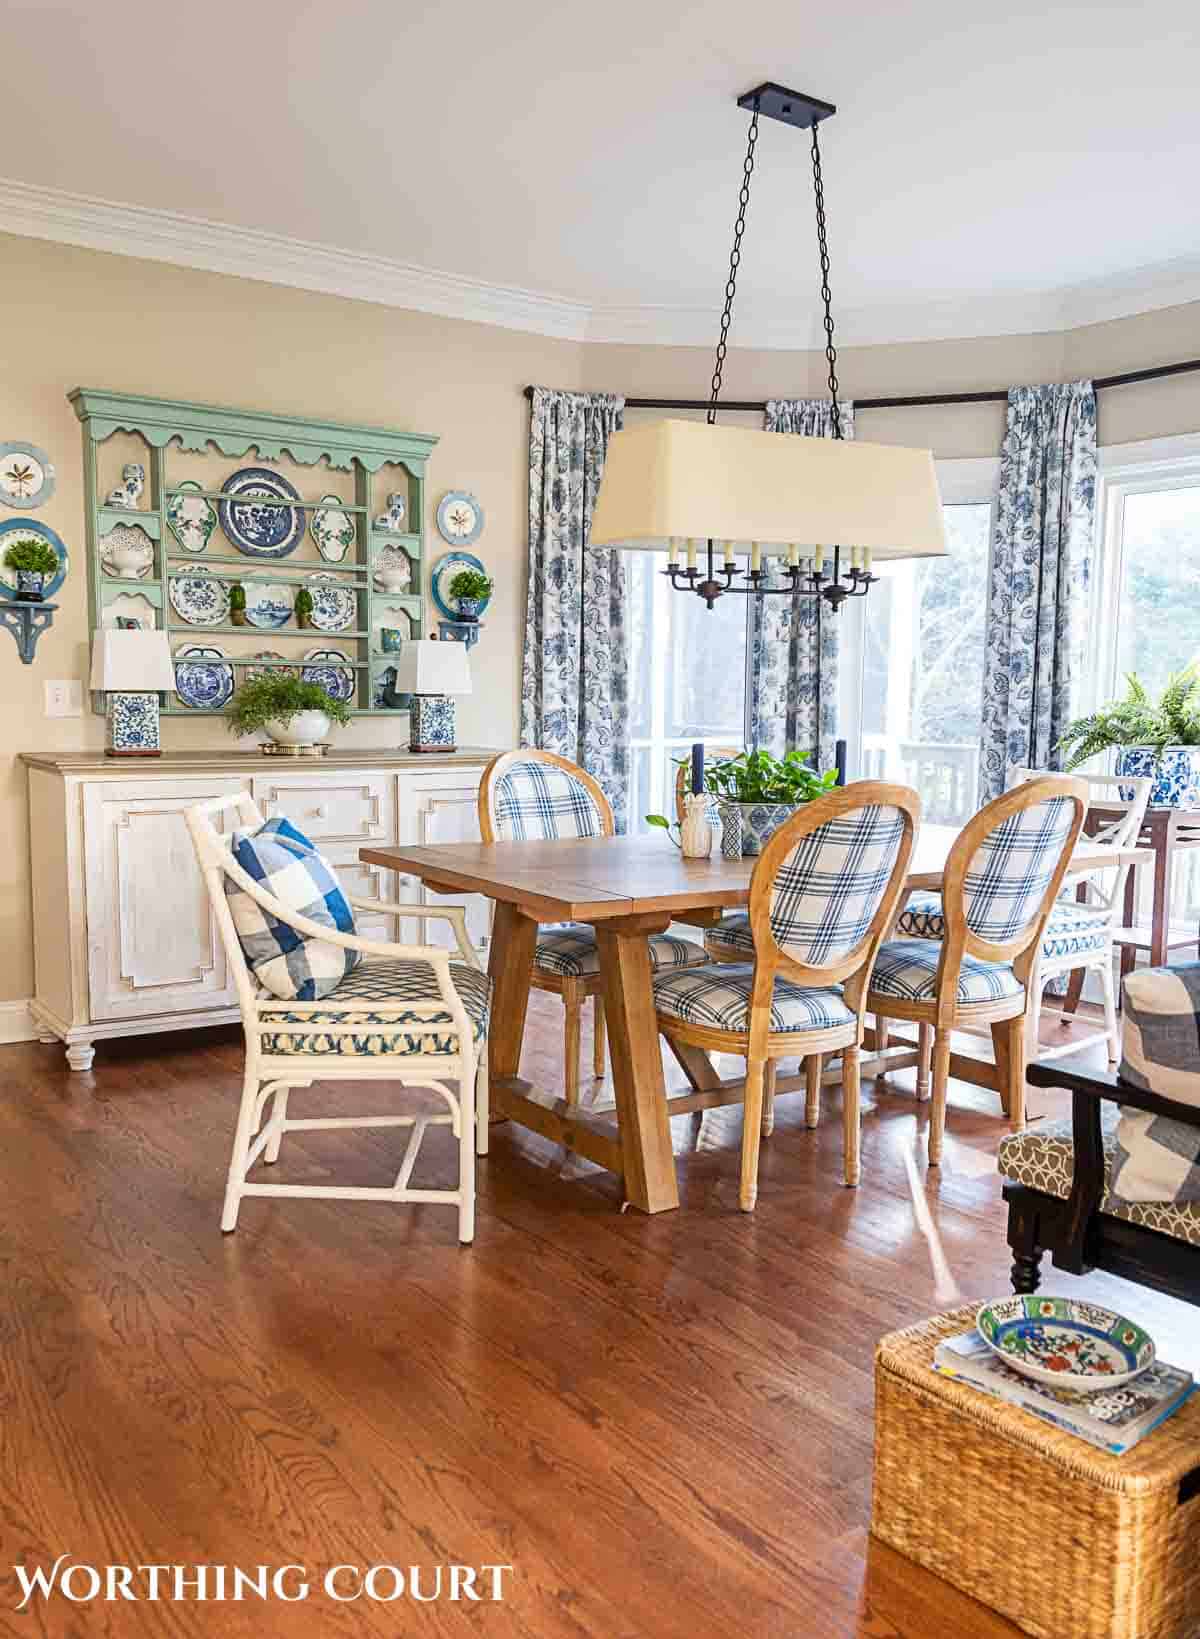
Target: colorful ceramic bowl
point(1065, 1341)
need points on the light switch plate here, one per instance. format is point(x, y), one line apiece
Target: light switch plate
point(64, 697)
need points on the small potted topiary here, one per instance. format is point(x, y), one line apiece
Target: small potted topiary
point(303, 607)
point(470, 590)
point(293, 713)
point(237, 604)
point(33, 562)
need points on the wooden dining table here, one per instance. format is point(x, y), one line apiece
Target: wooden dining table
point(627, 888)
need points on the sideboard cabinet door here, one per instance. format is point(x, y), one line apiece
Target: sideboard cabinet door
point(153, 942)
point(444, 808)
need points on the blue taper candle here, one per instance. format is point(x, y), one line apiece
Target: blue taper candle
point(697, 768)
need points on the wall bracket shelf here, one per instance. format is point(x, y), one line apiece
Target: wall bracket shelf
point(27, 622)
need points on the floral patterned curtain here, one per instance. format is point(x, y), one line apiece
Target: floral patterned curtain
point(575, 676)
point(794, 659)
point(1038, 577)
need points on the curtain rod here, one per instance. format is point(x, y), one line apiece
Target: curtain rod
point(998, 396)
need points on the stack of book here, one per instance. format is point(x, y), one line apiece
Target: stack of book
point(1113, 1419)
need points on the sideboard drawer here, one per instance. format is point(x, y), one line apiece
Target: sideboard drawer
point(351, 807)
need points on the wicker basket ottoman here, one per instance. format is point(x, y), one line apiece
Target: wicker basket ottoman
point(1067, 1541)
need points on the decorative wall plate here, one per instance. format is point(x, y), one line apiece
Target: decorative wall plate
point(383, 692)
point(129, 606)
point(203, 677)
point(331, 669)
point(335, 607)
point(392, 570)
point(26, 475)
point(257, 529)
point(268, 605)
point(393, 520)
point(459, 518)
point(199, 597)
point(333, 530)
point(127, 552)
point(1065, 1341)
point(444, 571)
point(13, 530)
point(191, 516)
point(276, 670)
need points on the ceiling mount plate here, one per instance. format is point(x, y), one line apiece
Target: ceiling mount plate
point(776, 102)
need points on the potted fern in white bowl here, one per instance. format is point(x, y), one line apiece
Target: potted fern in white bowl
point(1155, 738)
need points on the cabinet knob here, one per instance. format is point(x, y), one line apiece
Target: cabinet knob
point(319, 812)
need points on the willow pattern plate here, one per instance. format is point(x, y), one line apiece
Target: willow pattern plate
point(331, 669)
point(203, 677)
point(251, 518)
point(332, 529)
point(191, 517)
point(1065, 1341)
point(268, 606)
point(199, 597)
point(335, 606)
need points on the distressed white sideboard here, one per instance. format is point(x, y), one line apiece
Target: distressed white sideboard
point(124, 940)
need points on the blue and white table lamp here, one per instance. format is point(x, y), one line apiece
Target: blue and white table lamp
point(131, 668)
point(432, 673)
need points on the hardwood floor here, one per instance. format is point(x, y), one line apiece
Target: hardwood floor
point(662, 1424)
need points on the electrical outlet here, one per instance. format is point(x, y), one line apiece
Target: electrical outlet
point(64, 697)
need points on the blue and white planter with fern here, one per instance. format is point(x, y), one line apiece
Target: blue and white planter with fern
point(1175, 771)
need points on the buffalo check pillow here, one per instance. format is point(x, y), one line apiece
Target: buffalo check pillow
point(283, 862)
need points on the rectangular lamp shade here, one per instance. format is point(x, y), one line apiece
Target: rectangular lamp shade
point(132, 662)
point(686, 479)
point(431, 667)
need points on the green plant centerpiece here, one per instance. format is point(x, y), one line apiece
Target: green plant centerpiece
point(237, 604)
point(295, 714)
point(303, 607)
point(754, 793)
point(33, 563)
point(470, 589)
point(1155, 739)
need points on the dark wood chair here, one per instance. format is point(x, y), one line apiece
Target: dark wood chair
point(1056, 1188)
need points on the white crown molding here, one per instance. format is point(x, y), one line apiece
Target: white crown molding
point(250, 253)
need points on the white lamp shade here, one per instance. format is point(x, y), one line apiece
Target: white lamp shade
point(431, 667)
point(132, 662)
point(685, 479)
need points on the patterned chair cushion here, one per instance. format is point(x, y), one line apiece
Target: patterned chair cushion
point(1071, 929)
point(907, 970)
point(719, 998)
point(1043, 1158)
point(291, 965)
point(829, 887)
point(540, 802)
point(570, 952)
point(1011, 869)
point(1159, 1159)
point(731, 936)
point(394, 980)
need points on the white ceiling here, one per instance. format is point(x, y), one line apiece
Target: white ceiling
point(991, 168)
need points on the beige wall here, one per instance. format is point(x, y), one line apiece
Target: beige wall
point(80, 317)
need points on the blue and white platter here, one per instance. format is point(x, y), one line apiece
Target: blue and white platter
point(444, 571)
point(254, 525)
point(459, 518)
point(13, 530)
point(203, 677)
point(331, 669)
point(332, 529)
point(1065, 1341)
point(191, 517)
point(199, 597)
point(335, 606)
point(268, 606)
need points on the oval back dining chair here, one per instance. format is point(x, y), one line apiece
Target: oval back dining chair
point(537, 796)
point(822, 896)
point(403, 1013)
point(1001, 878)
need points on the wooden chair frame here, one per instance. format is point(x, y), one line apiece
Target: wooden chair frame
point(943, 1013)
point(761, 1047)
point(269, 1077)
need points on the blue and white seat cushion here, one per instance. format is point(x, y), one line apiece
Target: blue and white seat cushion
point(907, 970)
point(283, 862)
point(829, 887)
point(718, 998)
point(1071, 929)
point(394, 981)
point(731, 935)
point(1007, 877)
point(540, 802)
point(570, 951)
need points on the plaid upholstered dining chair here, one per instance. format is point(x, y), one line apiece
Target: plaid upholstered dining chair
point(320, 1003)
point(822, 896)
point(1001, 878)
point(536, 796)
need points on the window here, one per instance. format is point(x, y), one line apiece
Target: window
point(687, 681)
point(1158, 600)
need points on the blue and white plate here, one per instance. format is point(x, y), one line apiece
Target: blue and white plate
point(199, 597)
point(335, 606)
point(333, 530)
point(191, 517)
point(383, 692)
point(252, 518)
point(331, 669)
point(203, 677)
point(13, 530)
point(268, 605)
point(1065, 1341)
point(444, 571)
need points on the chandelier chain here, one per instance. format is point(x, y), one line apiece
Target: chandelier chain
point(735, 257)
point(826, 296)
